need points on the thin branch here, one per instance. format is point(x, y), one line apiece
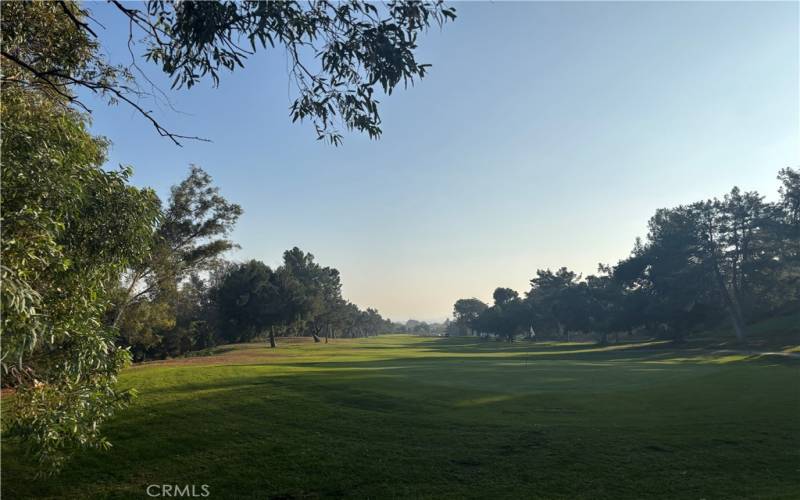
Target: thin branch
point(155, 88)
point(77, 22)
point(98, 87)
point(144, 24)
point(19, 62)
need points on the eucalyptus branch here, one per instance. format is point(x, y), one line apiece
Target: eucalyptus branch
point(97, 87)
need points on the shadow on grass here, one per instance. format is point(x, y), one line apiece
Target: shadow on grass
point(444, 426)
point(512, 372)
point(423, 423)
point(431, 359)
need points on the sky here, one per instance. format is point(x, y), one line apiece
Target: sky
point(545, 135)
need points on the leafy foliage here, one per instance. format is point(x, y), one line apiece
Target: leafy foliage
point(357, 46)
point(466, 311)
point(69, 228)
point(342, 53)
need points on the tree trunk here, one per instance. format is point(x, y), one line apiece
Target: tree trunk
point(120, 310)
point(316, 337)
point(732, 305)
point(129, 296)
point(731, 301)
point(272, 337)
point(125, 303)
point(562, 332)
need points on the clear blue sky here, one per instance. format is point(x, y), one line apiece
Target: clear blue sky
point(546, 135)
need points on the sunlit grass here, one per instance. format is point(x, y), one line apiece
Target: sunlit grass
point(404, 416)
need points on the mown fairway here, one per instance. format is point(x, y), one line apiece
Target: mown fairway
point(401, 416)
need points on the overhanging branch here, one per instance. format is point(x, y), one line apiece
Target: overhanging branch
point(47, 77)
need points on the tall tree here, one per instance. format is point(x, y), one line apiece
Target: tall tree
point(314, 285)
point(717, 253)
point(465, 311)
point(556, 298)
point(69, 228)
point(328, 314)
point(786, 228)
point(604, 305)
point(673, 268)
point(508, 316)
point(249, 301)
point(191, 237)
point(503, 296)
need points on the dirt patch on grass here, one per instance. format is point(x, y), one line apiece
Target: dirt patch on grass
point(253, 352)
point(240, 353)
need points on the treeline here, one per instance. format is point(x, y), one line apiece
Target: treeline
point(183, 296)
point(421, 327)
point(734, 259)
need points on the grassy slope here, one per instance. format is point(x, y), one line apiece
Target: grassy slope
point(778, 333)
point(400, 416)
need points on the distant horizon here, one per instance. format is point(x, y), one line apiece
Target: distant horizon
point(545, 135)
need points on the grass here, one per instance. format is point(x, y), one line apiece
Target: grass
point(403, 416)
point(776, 333)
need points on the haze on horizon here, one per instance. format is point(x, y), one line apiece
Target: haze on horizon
point(545, 135)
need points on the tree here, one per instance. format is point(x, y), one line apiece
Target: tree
point(252, 299)
point(422, 327)
point(715, 254)
point(339, 53)
point(604, 305)
point(506, 318)
point(151, 306)
point(786, 229)
point(190, 238)
point(196, 313)
point(69, 229)
point(300, 297)
point(249, 301)
point(465, 311)
point(789, 192)
point(557, 299)
point(673, 269)
point(503, 296)
point(371, 323)
point(329, 314)
point(143, 329)
point(315, 286)
point(172, 323)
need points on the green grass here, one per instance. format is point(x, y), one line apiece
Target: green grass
point(401, 416)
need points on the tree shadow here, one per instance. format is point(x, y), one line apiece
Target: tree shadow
point(427, 422)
